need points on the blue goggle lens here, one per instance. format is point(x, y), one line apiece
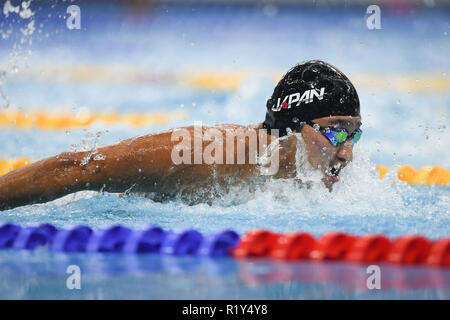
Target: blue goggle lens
point(338, 136)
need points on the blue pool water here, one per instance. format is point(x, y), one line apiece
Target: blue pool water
point(42, 275)
point(402, 125)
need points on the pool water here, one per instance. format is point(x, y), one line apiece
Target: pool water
point(42, 275)
point(401, 124)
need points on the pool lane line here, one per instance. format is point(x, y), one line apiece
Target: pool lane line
point(63, 121)
point(427, 175)
point(216, 79)
point(294, 246)
point(8, 165)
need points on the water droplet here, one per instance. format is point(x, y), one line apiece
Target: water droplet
point(316, 127)
point(99, 157)
point(295, 120)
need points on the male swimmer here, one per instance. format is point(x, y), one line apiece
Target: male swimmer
point(314, 99)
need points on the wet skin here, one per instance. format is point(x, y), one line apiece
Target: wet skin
point(144, 164)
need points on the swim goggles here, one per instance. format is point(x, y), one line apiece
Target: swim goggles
point(337, 136)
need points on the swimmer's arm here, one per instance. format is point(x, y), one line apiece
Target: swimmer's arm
point(142, 161)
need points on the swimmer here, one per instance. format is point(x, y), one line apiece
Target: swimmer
point(313, 99)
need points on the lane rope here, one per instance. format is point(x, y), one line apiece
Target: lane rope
point(427, 175)
point(215, 79)
point(83, 118)
point(332, 246)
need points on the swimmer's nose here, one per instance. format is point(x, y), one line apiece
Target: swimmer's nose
point(345, 152)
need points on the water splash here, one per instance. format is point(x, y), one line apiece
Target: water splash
point(9, 8)
point(21, 49)
point(89, 144)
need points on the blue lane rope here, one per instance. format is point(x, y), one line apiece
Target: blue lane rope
point(118, 239)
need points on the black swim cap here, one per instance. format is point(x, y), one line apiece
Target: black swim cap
point(310, 90)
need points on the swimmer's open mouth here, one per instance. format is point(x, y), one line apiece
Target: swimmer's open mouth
point(333, 173)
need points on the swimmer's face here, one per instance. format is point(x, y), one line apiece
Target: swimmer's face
point(322, 155)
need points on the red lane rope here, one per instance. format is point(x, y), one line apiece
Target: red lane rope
point(339, 246)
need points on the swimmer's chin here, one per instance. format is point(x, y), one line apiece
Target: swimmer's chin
point(329, 181)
